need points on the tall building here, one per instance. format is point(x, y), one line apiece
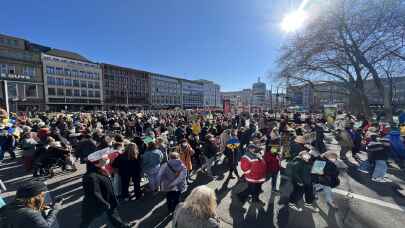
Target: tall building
point(165, 91)
point(124, 87)
point(192, 94)
point(21, 87)
point(211, 93)
point(259, 96)
point(71, 81)
point(240, 101)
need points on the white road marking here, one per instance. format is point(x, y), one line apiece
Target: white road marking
point(369, 200)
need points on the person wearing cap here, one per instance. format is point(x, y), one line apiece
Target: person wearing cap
point(29, 208)
point(151, 160)
point(297, 146)
point(254, 168)
point(100, 202)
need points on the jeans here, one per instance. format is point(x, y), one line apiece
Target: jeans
point(327, 192)
point(365, 166)
point(152, 178)
point(380, 169)
point(299, 191)
point(172, 200)
point(274, 177)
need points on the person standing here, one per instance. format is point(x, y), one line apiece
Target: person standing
point(172, 179)
point(302, 182)
point(254, 168)
point(151, 160)
point(129, 168)
point(272, 158)
point(186, 152)
point(29, 208)
point(100, 202)
point(345, 139)
point(232, 151)
point(210, 151)
point(198, 210)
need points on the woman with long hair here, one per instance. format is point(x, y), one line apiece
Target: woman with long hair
point(128, 165)
point(198, 210)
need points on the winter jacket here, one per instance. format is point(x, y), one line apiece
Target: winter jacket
point(28, 145)
point(172, 176)
point(210, 149)
point(85, 147)
point(254, 167)
point(345, 139)
point(18, 216)
point(99, 195)
point(151, 159)
point(184, 218)
point(232, 151)
point(301, 171)
point(377, 151)
point(296, 148)
point(128, 167)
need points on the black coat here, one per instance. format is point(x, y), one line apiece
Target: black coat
point(210, 149)
point(85, 147)
point(128, 167)
point(330, 177)
point(296, 148)
point(18, 216)
point(98, 193)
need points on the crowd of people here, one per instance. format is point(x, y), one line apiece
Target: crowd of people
point(165, 149)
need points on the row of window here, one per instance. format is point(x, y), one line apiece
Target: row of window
point(123, 93)
point(11, 69)
point(72, 73)
point(73, 83)
point(166, 100)
point(8, 41)
point(55, 59)
point(73, 92)
point(73, 100)
point(30, 90)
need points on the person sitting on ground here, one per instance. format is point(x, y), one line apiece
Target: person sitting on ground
point(29, 209)
point(198, 210)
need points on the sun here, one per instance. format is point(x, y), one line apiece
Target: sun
point(293, 21)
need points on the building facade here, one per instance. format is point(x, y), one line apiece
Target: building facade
point(124, 87)
point(71, 82)
point(165, 91)
point(211, 93)
point(192, 95)
point(259, 93)
point(21, 87)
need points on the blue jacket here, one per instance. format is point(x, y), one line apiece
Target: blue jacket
point(151, 159)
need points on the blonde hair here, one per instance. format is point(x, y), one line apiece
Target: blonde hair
point(202, 202)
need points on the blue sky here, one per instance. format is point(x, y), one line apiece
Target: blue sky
point(232, 42)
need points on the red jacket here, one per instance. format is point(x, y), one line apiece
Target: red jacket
point(272, 161)
point(254, 167)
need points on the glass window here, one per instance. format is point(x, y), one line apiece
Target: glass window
point(3, 68)
point(67, 72)
point(12, 89)
point(29, 71)
point(51, 91)
point(31, 91)
point(51, 81)
point(90, 84)
point(61, 92)
point(81, 74)
point(76, 83)
point(96, 85)
point(60, 82)
point(83, 84)
point(59, 70)
point(97, 93)
point(91, 93)
point(75, 73)
point(84, 93)
point(76, 93)
point(11, 69)
point(68, 92)
point(68, 82)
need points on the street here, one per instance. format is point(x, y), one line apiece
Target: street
point(362, 203)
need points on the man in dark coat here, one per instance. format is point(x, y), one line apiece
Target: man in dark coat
point(99, 197)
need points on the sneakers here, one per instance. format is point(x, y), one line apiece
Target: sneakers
point(311, 207)
point(362, 170)
point(294, 207)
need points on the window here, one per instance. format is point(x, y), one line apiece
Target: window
point(3, 68)
point(97, 93)
point(83, 84)
point(68, 82)
point(76, 83)
point(75, 73)
point(67, 72)
point(82, 74)
point(31, 91)
point(12, 89)
point(60, 82)
point(51, 81)
point(96, 85)
point(29, 71)
point(60, 92)
point(76, 93)
point(51, 91)
point(84, 93)
point(59, 71)
point(50, 70)
point(68, 92)
point(90, 84)
point(91, 93)
point(11, 69)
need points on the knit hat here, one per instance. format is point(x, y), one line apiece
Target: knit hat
point(30, 189)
